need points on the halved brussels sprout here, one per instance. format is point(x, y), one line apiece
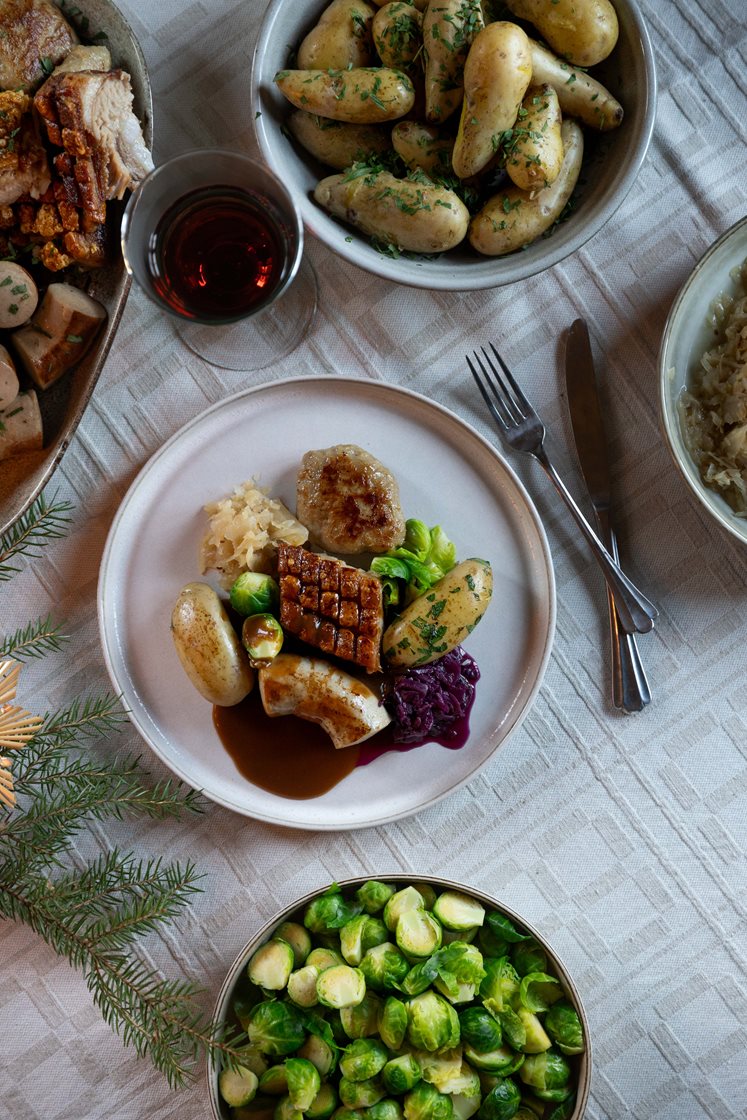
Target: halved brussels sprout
point(323, 1104)
point(393, 1023)
point(284, 1110)
point(319, 1053)
point(418, 933)
point(262, 638)
point(274, 1081)
point(384, 1110)
point(465, 1084)
point(529, 956)
point(275, 1028)
point(502, 1102)
point(442, 1068)
point(254, 593)
point(428, 893)
point(253, 1059)
point(564, 1028)
point(362, 1021)
point(502, 1061)
point(298, 939)
point(384, 966)
point(424, 1102)
point(360, 1094)
point(237, 1086)
point(374, 933)
point(546, 1071)
point(304, 1082)
point(501, 983)
point(513, 1029)
point(536, 1037)
point(341, 986)
point(351, 939)
point(302, 986)
point(538, 991)
point(432, 1022)
point(458, 911)
point(322, 957)
point(373, 895)
point(363, 1058)
point(271, 965)
point(401, 1074)
point(400, 903)
point(479, 1029)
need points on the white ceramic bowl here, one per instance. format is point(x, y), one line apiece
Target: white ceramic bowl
point(294, 912)
point(687, 335)
point(611, 163)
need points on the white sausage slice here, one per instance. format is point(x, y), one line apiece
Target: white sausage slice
point(8, 379)
point(21, 426)
point(60, 333)
point(347, 709)
point(19, 295)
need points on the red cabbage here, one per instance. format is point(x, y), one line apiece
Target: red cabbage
point(427, 702)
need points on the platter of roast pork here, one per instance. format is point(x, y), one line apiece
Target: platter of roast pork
point(75, 137)
point(326, 602)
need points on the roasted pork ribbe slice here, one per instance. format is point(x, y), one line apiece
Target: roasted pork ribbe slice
point(331, 606)
point(35, 36)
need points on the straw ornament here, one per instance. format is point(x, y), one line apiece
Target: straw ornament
point(17, 727)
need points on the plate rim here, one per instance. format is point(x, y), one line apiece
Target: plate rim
point(514, 719)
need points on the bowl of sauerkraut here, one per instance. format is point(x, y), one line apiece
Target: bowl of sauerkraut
point(703, 380)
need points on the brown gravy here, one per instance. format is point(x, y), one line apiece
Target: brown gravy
point(285, 755)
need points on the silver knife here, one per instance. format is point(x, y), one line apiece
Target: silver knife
point(630, 689)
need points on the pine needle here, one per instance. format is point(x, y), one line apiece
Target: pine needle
point(40, 524)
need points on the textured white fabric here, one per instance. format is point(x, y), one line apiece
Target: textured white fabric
point(621, 838)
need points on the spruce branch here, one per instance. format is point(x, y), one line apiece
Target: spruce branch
point(34, 640)
point(41, 524)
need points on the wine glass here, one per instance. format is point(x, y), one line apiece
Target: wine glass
point(216, 241)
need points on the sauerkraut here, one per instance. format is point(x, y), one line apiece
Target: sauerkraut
point(714, 407)
point(243, 533)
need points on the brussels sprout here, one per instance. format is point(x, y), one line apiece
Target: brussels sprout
point(428, 893)
point(343, 1113)
point(262, 638)
point(502, 1061)
point(374, 933)
point(384, 966)
point(275, 1028)
point(424, 1102)
point(528, 957)
point(491, 944)
point(319, 1053)
point(400, 903)
point(237, 1086)
point(418, 933)
point(536, 1037)
point(271, 965)
point(340, 986)
point(464, 1106)
point(458, 911)
point(322, 958)
point(546, 1071)
point(504, 929)
point(564, 1028)
point(565, 1110)
point(274, 1081)
point(323, 1104)
point(363, 1058)
point(298, 939)
point(420, 977)
point(525, 1113)
point(304, 1082)
point(252, 1058)
point(302, 986)
point(432, 1022)
point(393, 1023)
point(460, 970)
point(401, 1074)
point(284, 1110)
point(245, 1000)
point(554, 1094)
point(384, 1110)
point(479, 1029)
point(465, 1084)
point(442, 1069)
point(351, 939)
point(254, 593)
point(362, 1021)
point(373, 895)
point(329, 912)
point(442, 552)
point(464, 935)
point(538, 991)
point(513, 1028)
point(417, 538)
point(502, 1102)
point(360, 1094)
point(501, 983)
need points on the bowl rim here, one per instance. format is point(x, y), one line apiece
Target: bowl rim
point(515, 267)
point(221, 1002)
point(668, 412)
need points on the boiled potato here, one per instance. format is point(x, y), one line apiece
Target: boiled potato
point(535, 156)
point(341, 38)
point(512, 218)
point(497, 73)
point(449, 27)
point(207, 645)
point(363, 95)
point(439, 620)
point(579, 95)
point(421, 5)
point(397, 34)
point(336, 143)
point(413, 216)
point(583, 31)
point(422, 147)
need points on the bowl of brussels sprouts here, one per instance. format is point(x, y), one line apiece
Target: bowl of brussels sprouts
point(394, 999)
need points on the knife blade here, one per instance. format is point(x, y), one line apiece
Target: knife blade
point(630, 688)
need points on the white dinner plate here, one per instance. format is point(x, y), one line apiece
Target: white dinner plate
point(448, 475)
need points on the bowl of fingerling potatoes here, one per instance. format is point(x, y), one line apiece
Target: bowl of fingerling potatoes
point(454, 144)
point(399, 998)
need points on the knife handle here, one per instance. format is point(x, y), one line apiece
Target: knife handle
point(630, 687)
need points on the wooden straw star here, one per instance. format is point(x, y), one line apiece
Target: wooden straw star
point(17, 727)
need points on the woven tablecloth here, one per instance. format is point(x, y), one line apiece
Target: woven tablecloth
point(621, 838)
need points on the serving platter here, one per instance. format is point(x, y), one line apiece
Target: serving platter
point(448, 475)
point(24, 476)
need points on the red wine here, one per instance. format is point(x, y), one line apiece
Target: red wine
point(216, 254)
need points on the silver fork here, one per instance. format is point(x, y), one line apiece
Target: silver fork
point(523, 430)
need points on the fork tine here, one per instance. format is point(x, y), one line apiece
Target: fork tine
point(485, 395)
point(514, 385)
point(500, 390)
